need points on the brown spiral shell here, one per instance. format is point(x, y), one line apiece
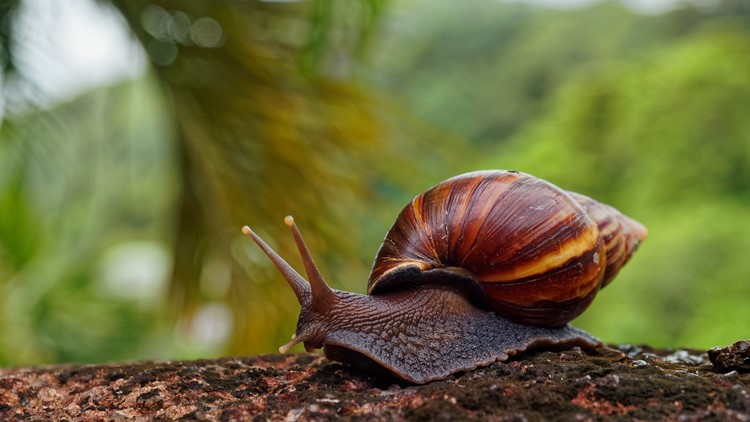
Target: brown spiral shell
point(621, 234)
point(540, 254)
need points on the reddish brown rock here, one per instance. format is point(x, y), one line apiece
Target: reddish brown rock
point(732, 358)
point(630, 382)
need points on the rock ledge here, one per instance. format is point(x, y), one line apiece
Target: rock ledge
point(623, 382)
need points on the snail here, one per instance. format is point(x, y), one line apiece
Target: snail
point(476, 269)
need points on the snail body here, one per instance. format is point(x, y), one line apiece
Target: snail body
point(476, 269)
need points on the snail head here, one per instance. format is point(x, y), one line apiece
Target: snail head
point(315, 297)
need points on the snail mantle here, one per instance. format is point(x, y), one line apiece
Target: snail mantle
point(476, 269)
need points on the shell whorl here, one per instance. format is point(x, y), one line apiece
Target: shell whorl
point(620, 233)
point(538, 253)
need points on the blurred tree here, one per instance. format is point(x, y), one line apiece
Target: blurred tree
point(264, 118)
point(270, 122)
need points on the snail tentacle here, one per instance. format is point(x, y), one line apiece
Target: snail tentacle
point(323, 296)
point(298, 284)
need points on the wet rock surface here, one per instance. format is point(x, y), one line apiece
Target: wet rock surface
point(624, 382)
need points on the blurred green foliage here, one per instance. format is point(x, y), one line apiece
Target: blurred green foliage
point(120, 210)
point(664, 138)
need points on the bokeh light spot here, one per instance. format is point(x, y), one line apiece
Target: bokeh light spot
point(207, 32)
point(162, 52)
point(212, 324)
point(155, 21)
point(134, 270)
point(178, 27)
